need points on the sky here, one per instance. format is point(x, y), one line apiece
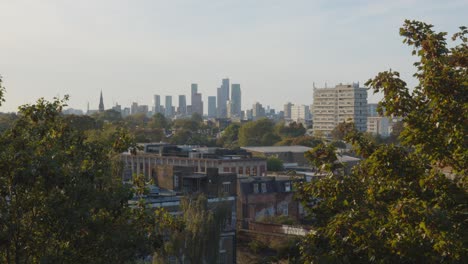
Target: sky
point(133, 49)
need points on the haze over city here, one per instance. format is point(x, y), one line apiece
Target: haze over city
point(274, 49)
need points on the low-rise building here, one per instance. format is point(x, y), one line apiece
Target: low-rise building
point(173, 183)
point(200, 159)
point(270, 196)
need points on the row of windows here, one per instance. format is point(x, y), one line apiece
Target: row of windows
point(287, 187)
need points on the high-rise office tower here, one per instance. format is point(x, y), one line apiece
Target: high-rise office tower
point(168, 106)
point(182, 105)
point(134, 108)
point(235, 100)
point(197, 104)
point(220, 106)
point(344, 103)
point(287, 110)
point(258, 111)
point(211, 106)
point(156, 104)
point(222, 98)
point(194, 88)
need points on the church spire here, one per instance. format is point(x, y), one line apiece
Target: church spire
point(101, 103)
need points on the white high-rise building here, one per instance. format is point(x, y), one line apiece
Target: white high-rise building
point(300, 114)
point(343, 103)
point(378, 125)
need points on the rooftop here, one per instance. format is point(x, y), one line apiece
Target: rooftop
point(275, 149)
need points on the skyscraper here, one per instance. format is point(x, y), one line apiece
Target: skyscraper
point(197, 106)
point(258, 111)
point(223, 97)
point(194, 89)
point(134, 108)
point(101, 103)
point(156, 104)
point(236, 100)
point(211, 106)
point(287, 110)
point(182, 105)
point(220, 106)
point(168, 106)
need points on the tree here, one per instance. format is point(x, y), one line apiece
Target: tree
point(292, 130)
point(307, 141)
point(61, 197)
point(159, 121)
point(258, 133)
point(7, 120)
point(2, 91)
point(229, 137)
point(401, 204)
point(110, 116)
point(136, 120)
point(81, 122)
point(274, 164)
point(195, 234)
point(339, 132)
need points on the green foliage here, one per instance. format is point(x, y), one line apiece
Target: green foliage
point(339, 132)
point(2, 92)
point(292, 130)
point(137, 120)
point(108, 116)
point(435, 112)
point(258, 133)
point(81, 122)
point(323, 158)
point(307, 141)
point(196, 117)
point(61, 196)
point(278, 219)
point(398, 206)
point(7, 120)
point(159, 121)
point(274, 164)
point(338, 144)
point(229, 137)
point(195, 235)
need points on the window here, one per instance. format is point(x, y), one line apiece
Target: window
point(264, 187)
point(226, 187)
point(255, 187)
point(287, 186)
point(176, 181)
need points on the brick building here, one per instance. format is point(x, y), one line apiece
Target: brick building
point(146, 162)
point(260, 197)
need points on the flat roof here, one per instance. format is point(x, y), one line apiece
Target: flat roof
point(275, 149)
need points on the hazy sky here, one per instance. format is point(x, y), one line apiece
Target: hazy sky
point(132, 49)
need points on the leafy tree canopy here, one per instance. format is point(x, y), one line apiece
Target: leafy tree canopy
point(274, 164)
point(399, 205)
point(61, 196)
point(258, 133)
point(292, 130)
point(229, 137)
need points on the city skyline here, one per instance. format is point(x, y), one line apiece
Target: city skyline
point(276, 50)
